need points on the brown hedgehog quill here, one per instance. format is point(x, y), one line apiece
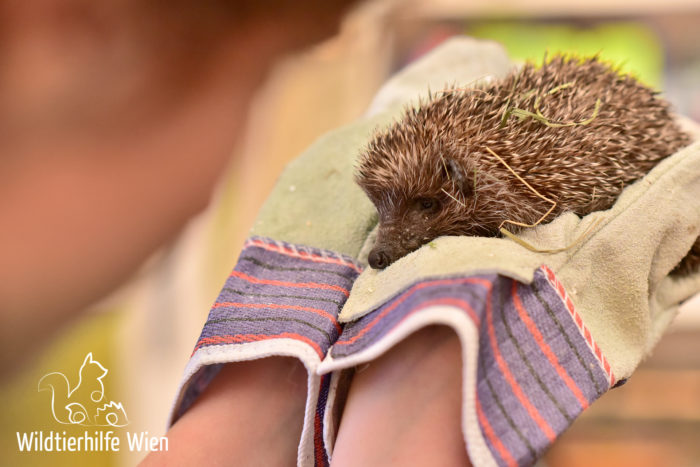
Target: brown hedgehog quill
point(574, 131)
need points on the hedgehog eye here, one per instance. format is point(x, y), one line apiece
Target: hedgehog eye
point(428, 204)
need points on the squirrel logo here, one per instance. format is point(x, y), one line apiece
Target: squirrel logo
point(85, 403)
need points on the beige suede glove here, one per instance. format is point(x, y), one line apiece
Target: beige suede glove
point(539, 343)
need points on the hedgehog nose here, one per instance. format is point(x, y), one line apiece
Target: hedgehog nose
point(378, 259)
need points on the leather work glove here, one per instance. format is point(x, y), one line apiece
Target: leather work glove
point(543, 334)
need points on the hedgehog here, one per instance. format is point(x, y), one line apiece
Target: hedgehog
point(576, 129)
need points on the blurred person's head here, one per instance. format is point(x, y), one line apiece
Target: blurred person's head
point(116, 119)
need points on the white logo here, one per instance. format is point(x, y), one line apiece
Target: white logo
point(84, 404)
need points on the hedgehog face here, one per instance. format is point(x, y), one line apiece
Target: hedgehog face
point(425, 175)
point(448, 205)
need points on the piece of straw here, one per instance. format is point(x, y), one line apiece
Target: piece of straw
point(458, 201)
point(533, 248)
point(524, 243)
point(520, 224)
point(537, 114)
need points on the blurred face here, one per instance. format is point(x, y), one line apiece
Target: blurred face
point(117, 118)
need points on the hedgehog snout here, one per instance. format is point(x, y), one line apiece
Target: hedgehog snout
point(394, 241)
point(384, 254)
point(379, 258)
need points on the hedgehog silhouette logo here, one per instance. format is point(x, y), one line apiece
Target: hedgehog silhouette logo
point(85, 403)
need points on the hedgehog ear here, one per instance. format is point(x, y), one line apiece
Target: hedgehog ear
point(457, 176)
